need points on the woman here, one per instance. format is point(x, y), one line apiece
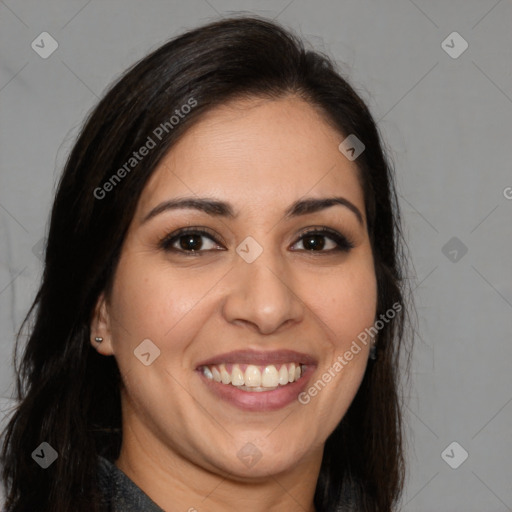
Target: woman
point(220, 317)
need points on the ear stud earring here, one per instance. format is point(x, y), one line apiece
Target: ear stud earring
point(373, 352)
point(98, 340)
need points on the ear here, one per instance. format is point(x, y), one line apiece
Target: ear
point(100, 327)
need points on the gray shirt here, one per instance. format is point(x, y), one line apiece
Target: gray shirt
point(120, 494)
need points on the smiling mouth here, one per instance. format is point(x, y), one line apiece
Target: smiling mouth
point(249, 377)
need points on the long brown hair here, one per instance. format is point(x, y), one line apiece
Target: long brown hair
point(68, 394)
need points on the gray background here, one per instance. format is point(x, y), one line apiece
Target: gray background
point(448, 124)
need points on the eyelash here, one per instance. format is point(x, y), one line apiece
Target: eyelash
point(343, 243)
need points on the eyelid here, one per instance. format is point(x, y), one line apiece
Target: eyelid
point(191, 230)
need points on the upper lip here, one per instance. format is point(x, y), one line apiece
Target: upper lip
point(260, 358)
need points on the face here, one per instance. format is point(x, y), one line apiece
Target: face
point(242, 289)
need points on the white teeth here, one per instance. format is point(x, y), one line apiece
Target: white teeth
point(254, 378)
point(291, 372)
point(270, 377)
point(237, 377)
point(216, 374)
point(283, 375)
point(224, 375)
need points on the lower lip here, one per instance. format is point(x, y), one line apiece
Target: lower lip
point(259, 400)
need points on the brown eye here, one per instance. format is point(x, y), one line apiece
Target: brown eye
point(194, 242)
point(190, 241)
point(315, 241)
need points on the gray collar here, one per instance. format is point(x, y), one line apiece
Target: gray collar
point(120, 494)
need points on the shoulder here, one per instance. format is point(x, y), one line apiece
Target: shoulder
point(119, 493)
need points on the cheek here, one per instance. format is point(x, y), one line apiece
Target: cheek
point(345, 305)
point(150, 301)
point(348, 303)
point(156, 302)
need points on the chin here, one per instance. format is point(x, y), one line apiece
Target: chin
point(261, 470)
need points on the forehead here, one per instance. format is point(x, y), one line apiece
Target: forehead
point(256, 153)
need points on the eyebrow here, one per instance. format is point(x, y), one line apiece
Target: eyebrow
point(222, 209)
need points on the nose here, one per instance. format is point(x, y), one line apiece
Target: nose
point(261, 295)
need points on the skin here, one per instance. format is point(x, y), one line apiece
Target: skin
point(180, 442)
